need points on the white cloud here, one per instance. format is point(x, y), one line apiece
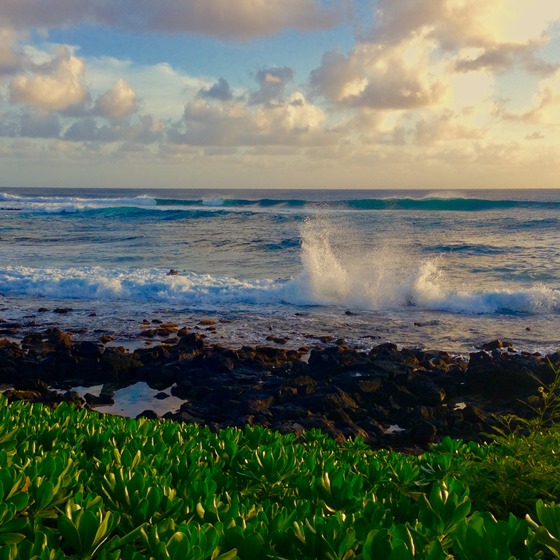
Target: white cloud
point(119, 102)
point(57, 85)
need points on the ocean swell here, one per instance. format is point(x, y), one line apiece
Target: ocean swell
point(432, 203)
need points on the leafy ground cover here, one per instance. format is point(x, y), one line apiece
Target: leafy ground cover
point(74, 484)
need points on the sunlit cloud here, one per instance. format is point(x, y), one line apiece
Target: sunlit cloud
point(422, 87)
point(58, 84)
point(120, 101)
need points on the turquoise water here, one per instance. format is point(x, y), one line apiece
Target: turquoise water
point(437, 269)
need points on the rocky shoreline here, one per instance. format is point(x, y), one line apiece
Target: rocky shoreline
point(394, 398)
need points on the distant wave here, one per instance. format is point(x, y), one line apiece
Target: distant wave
point(62, 204)
point(69, 204)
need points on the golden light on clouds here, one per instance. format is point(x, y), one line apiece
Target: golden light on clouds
point(419, 87)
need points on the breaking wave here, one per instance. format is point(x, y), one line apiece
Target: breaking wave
point(444, 202)
point(325, 281)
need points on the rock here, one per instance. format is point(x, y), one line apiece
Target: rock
point(87, 349)
point(116, 362)
point(150, 414)
point(495, 345)
point(207, 322)
point(101, 400)
point(16, 395)
point(503, 375)
point(269, 356)
point(276, 339)
point(35, 385)
point(63, 310)
point(473, 414)
point(190, 343)
point(423, 433)
point(104, 339)
point(335, 359)
point(325, 339)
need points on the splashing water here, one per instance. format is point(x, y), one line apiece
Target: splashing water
point(340, 268)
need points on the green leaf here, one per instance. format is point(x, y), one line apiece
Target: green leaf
point(229, 555)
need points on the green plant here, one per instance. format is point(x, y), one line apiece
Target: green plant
point(107, 488)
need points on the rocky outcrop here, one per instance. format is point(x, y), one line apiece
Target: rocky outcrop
point(342, 390)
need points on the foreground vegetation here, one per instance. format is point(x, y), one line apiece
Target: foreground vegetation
point(74, 484)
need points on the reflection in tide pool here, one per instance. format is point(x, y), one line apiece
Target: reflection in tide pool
point(133, 400)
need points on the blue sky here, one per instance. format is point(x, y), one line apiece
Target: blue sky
point(280, 93)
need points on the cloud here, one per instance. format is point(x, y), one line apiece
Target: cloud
point(380, 76)
point(239, 20)
point(144, 130)
point(465, 23)
point(544, 107)
point(11, 57)
point(445, 127)
point(503, 58)
point(220, 91)
point(295, 122)
point(118, 102)
point(40, 124)
point(272, 83)
point(57, 85)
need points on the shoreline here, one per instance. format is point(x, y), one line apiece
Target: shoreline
point(393, 397)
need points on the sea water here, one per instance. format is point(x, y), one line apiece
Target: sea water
point(446, 270)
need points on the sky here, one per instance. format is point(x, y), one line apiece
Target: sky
point(430, 94)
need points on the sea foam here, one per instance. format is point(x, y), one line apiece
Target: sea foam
point(387, 281)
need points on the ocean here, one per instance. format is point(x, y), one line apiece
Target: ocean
point(437, 270)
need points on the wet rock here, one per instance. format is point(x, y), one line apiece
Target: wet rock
point(269, 356)
point(277, 339)
point(87, 349)
point(150, 414)
point(104, 339)
point(326, 338)
point(495, 345)
point(116, 363)
point(99, 400)
point(207, 322)
point(190, 343)
point(335, 359)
